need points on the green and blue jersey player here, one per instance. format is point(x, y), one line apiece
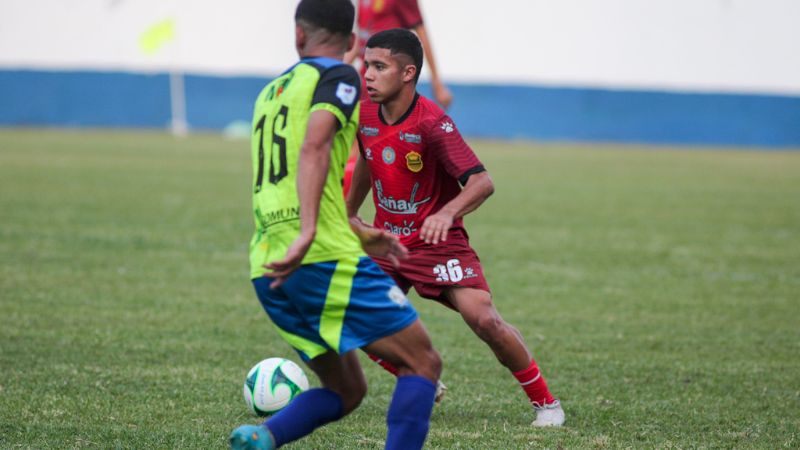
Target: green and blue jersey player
point(309, 268)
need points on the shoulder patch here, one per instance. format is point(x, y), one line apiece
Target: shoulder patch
point(346, 93)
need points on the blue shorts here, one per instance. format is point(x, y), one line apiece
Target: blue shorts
point(336, 305)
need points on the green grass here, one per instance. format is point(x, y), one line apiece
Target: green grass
point(658, 288)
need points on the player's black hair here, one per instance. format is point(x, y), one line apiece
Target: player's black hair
point(336, 16)
point(399, 41)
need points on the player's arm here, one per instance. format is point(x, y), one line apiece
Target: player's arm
point(359, 186)
point(478, 188)
point(375, 242)
point(441, 93)
point(461, 163)
point(312, 171)
point(410, 17)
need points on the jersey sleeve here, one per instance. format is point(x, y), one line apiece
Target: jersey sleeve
point(338, 91)
point(452, 151)
point(408, 13)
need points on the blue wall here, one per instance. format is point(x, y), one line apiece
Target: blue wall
point(114, 99)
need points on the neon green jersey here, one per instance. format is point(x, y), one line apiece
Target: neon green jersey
point(280, 119)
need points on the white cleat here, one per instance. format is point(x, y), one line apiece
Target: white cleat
point(441, 389)
point(551, 415)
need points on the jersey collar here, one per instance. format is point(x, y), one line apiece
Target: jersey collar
point(404, 116)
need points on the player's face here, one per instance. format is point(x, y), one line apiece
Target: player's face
point(386, 74)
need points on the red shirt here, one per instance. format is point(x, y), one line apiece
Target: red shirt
point(379, 15)
point(415, 166)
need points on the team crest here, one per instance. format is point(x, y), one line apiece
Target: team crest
point(388, 155)
point(414, 161)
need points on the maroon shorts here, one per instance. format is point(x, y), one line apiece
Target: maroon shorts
point(431, 270)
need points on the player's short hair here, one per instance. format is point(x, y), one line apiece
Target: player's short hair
point(399, 41)
point(335, 16)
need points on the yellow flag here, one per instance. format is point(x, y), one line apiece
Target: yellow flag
point(156, 36)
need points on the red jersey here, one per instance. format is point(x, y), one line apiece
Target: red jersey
point(415, 166)
point(380, 15)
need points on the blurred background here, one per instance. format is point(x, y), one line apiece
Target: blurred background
point(714, 72)
point(644, 236)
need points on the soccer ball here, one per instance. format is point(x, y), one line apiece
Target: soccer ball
point(272, 384)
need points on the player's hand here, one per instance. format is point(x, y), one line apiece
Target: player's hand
point(377, 242)
point(281, 269)
point(435, 227)
point(442, 95)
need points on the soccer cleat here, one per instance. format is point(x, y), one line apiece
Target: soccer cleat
point(251, 437)
point(441, 389)
point(549, 415)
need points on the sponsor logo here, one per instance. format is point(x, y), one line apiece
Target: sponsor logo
point(448, 127)
point(270, 218)
point(411, 138)
point(414, 161)
point(369, 131)
point(406, 229)
point(388, 155)
point(368, 153)
point(401, 206)
point(346, 93)
point(397, 297)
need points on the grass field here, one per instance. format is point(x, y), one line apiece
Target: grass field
point(659, 289)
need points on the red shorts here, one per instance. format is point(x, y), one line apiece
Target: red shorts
point(431, 270)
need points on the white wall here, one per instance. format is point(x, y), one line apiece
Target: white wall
point(695, 45)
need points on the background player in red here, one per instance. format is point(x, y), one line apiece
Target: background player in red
point(416, 161)
point(379, 15)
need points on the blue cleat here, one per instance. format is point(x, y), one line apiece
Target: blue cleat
point(251, 437)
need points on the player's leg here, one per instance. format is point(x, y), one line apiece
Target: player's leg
point(478, 311)
point(404, 285)
point(343, 388)
point(418, 368)
point(292, 308)
point(364, 308)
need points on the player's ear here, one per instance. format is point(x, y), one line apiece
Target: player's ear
point(351, 41)
point(409, 73)
point(300, 38)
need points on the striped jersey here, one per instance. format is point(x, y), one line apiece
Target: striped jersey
point(416, 166)
point(280, 119)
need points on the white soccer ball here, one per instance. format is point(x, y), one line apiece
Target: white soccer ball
point(272, 384)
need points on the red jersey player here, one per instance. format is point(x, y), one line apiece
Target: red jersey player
point(379, 15)
point(415, 161)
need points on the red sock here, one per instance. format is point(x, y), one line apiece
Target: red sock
point(385, 364)
point(532, 382)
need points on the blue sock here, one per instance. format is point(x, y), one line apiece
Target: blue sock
point(307, 412)
point(410, 413)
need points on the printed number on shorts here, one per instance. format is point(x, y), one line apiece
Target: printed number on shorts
point(450, 272)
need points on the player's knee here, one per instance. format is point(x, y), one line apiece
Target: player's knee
point(426, 363)
point(434, 363)
point(429, 364)
point(352, 394)
point(488, 327)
